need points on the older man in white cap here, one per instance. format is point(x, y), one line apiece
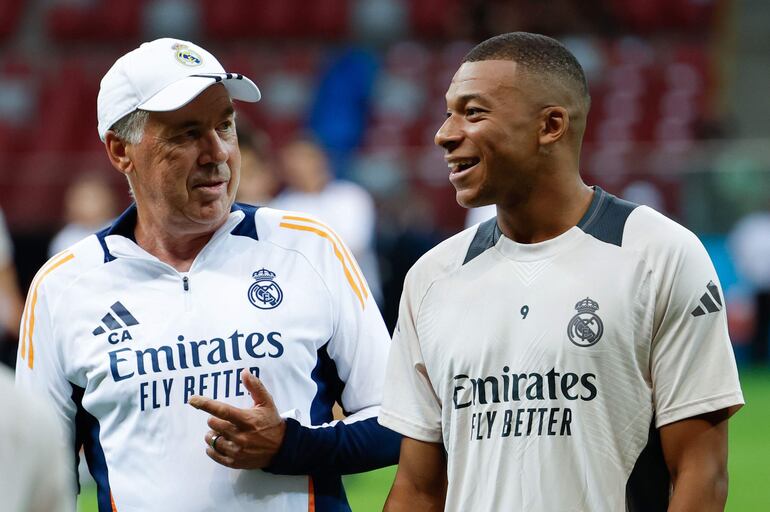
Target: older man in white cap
point(190, 298)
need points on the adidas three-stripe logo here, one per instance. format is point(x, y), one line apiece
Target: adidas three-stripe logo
point(710, 302)
point(112, 323)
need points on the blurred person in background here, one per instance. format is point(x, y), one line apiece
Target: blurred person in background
point(191, 302)
point(646, 193)
point(345, 206)
point(571, 353)
point(749, 244)
point(34, 466)
point(11, 302)
point(89, 205)
point(259, 183)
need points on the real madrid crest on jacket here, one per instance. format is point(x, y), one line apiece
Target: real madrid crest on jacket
point(265, 292)
point(122, 340)
point(548, 361)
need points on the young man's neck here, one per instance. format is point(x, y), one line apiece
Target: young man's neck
point(548, 212)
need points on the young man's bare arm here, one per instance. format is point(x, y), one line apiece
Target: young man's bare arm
point(695, 450)
point(420, 482)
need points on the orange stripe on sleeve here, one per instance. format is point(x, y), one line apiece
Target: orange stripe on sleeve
point(33, 286)
point(324, 234)
point(112, 503)
point(24, 317)
point(310, 495)
point(29, 327)
point(349, 258)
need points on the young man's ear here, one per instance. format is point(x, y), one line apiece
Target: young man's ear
point(554, 125)
point(116, 151)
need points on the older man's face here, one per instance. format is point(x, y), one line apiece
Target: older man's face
point(187, 166)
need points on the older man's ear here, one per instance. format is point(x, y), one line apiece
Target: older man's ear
point(117, 153)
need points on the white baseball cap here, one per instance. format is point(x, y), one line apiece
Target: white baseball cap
point(163, 75)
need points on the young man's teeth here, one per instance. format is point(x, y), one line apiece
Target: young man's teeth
point(458, 166)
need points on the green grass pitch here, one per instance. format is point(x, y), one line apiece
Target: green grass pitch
point(749, 459)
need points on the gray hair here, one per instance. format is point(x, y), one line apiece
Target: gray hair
point(130, 127)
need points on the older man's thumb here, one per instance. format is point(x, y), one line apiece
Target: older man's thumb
point(256, 389)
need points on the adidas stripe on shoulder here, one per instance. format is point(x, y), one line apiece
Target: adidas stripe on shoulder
point(305, 233)
point(710, 302)
point(57, 272)
point(26, 345)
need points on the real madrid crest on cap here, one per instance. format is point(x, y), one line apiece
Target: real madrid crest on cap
point(186, 55)
point(265, 292)
point(585, 328)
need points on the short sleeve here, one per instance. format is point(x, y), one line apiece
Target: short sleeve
point(410, 404)
point(693, 366)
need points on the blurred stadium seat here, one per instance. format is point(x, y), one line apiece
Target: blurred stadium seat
point(98, 21)
point(10, 13)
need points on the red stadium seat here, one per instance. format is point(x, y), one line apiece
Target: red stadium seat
point(264, 19)
point(271, 20)
point(10, 13)
point(223, 18)
point(326, 19)
point(433, 18)
point(33, 198)
point(7, 139)
point(60, 107)
point(665, 15)
point(641, 15)
point(694, 14)
point(100, 21)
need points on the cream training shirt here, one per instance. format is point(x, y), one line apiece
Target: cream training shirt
point(545, 369)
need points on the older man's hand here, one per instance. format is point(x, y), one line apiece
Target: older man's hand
point(243, 438)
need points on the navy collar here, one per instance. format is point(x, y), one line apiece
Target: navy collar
point(594, 209)
point(125, 226)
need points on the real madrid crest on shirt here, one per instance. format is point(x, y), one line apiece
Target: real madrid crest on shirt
point(265, 292)
point(585, 328)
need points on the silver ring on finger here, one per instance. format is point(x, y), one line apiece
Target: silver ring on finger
point(214, 440)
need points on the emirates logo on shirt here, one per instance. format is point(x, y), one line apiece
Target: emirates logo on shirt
point(586, 328)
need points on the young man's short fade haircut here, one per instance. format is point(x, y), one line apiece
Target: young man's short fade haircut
point(535, 52)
